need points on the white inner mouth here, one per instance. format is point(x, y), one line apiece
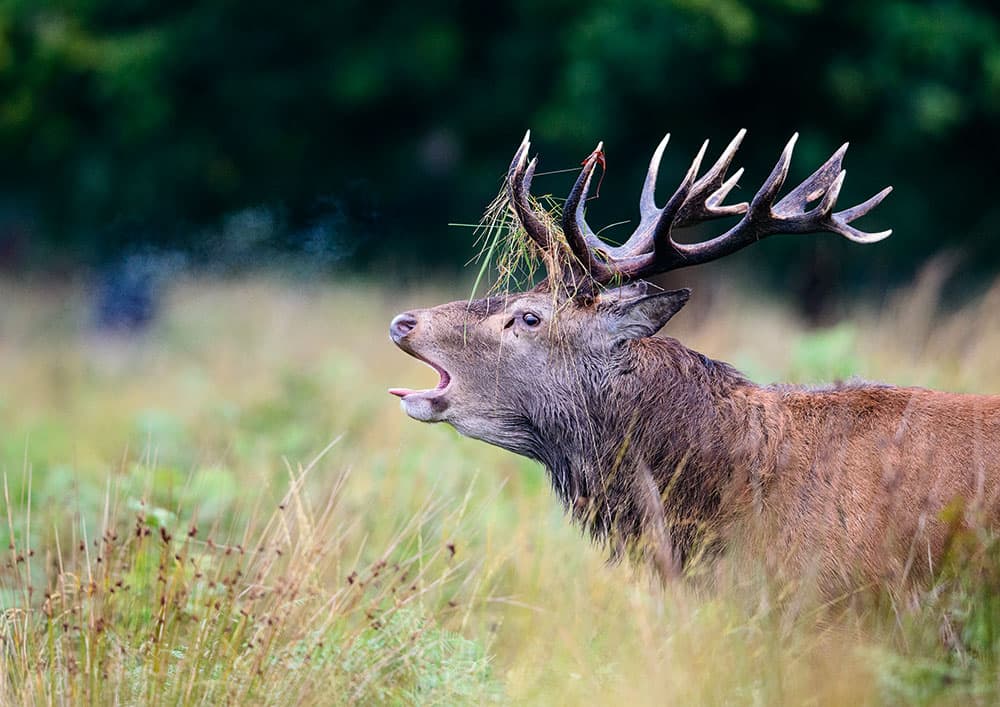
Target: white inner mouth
point(430, 392)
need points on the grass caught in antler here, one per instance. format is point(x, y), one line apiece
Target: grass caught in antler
point(506, 258)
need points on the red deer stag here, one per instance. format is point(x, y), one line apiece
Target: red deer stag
point(645, 438)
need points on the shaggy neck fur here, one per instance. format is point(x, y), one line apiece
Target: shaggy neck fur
point(621, 471)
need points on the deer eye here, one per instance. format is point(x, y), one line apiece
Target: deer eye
point(531, 319)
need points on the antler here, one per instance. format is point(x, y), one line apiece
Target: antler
point(519, 177)
point(560, 266)
point(651, 248)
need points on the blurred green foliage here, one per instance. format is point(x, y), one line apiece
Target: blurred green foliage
point(358, 131)
point(825, 354)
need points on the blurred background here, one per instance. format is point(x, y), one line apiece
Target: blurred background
point(141, 136)
point(211, 209)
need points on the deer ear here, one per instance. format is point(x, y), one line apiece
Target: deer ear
point(644, 316)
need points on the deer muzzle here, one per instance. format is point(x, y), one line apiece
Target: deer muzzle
point(425, 405)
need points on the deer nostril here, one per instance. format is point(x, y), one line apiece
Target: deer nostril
point(402, 325)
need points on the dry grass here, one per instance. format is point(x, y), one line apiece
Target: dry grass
point(176, 535)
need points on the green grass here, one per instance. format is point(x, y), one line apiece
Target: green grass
point(230, 509)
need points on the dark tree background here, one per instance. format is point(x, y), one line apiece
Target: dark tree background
point(354, 132)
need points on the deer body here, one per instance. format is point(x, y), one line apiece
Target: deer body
point(645, 439)
point(868, 483)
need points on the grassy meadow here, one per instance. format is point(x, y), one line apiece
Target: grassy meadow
point(229, 509)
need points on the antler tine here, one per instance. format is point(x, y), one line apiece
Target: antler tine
point(647, 200)
point(814, 186)
point(841, 219)
point(581, 238)
point(722, 192)
point(704, 201)
point(668, 214)
point(654, 223)
point(772, 185)
point(519, 177)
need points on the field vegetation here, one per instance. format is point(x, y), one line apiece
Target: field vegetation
point(228, 508)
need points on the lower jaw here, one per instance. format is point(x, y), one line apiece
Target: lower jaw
point(424, 409)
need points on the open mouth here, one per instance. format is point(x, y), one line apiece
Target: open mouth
point(405, 393)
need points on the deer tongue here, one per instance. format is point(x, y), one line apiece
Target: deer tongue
point(443, 382)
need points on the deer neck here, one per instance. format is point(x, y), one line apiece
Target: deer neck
point(673, 433)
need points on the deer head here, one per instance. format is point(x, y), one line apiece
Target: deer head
point(562, 373)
